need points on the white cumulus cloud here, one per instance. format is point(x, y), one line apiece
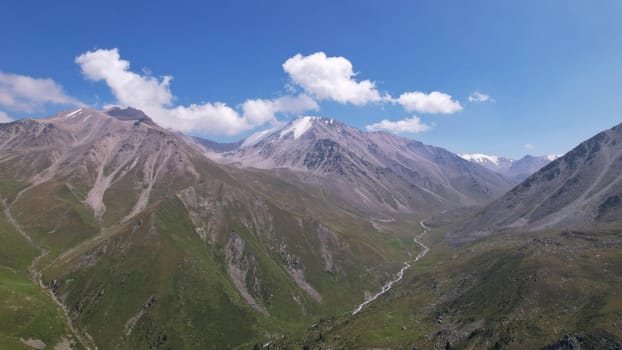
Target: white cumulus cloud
point(4, 118)
point(435, 102)
point(261, 110)
point(26, 94)
point(153, 95)
point(480, 97)
point(330, 78)
point(408, 125)
point(318, 76)
point(130, 89)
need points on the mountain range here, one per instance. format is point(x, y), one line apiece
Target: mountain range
point(120, 234)
point(580, 190)
point(373, 171)
point(132, 220)
point(517, 170)
point(538, 268)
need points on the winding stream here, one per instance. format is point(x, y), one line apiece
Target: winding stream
point(400, 274)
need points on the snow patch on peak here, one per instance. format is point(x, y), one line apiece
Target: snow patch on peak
point(298, 126)
point(552, 157)
point(256, 137)
point(70, 115)
point(480, 158)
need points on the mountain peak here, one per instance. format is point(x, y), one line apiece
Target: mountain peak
point(301, 125)
point(388, 172)
point(482, 158)
point(128, 113)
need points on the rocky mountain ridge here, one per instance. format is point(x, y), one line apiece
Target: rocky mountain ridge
point(377, 171)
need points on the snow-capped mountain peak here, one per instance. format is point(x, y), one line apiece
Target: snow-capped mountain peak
point(378, 171)
point(514, 169)
point(297, 127)
point(481, 158)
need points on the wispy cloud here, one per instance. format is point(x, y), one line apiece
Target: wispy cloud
point(22, 93)
point(408, 125)
point(529, 146)
point(480, 97)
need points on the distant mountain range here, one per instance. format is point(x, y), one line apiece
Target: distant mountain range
point(517, 170)
point(582, 189)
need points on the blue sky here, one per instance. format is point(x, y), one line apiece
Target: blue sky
point(553, 68)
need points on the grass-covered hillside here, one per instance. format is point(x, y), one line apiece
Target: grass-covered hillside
point(28, 315)
point(516, 291)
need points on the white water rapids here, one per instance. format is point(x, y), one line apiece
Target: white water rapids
point(400, 274)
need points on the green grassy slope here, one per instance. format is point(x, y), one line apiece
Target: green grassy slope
point(53, 215)
point(26, 311)
point(510, 292)
point(155, 282)
point(155, 269)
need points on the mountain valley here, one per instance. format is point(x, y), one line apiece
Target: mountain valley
point(121, 234)
point(311, 175)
